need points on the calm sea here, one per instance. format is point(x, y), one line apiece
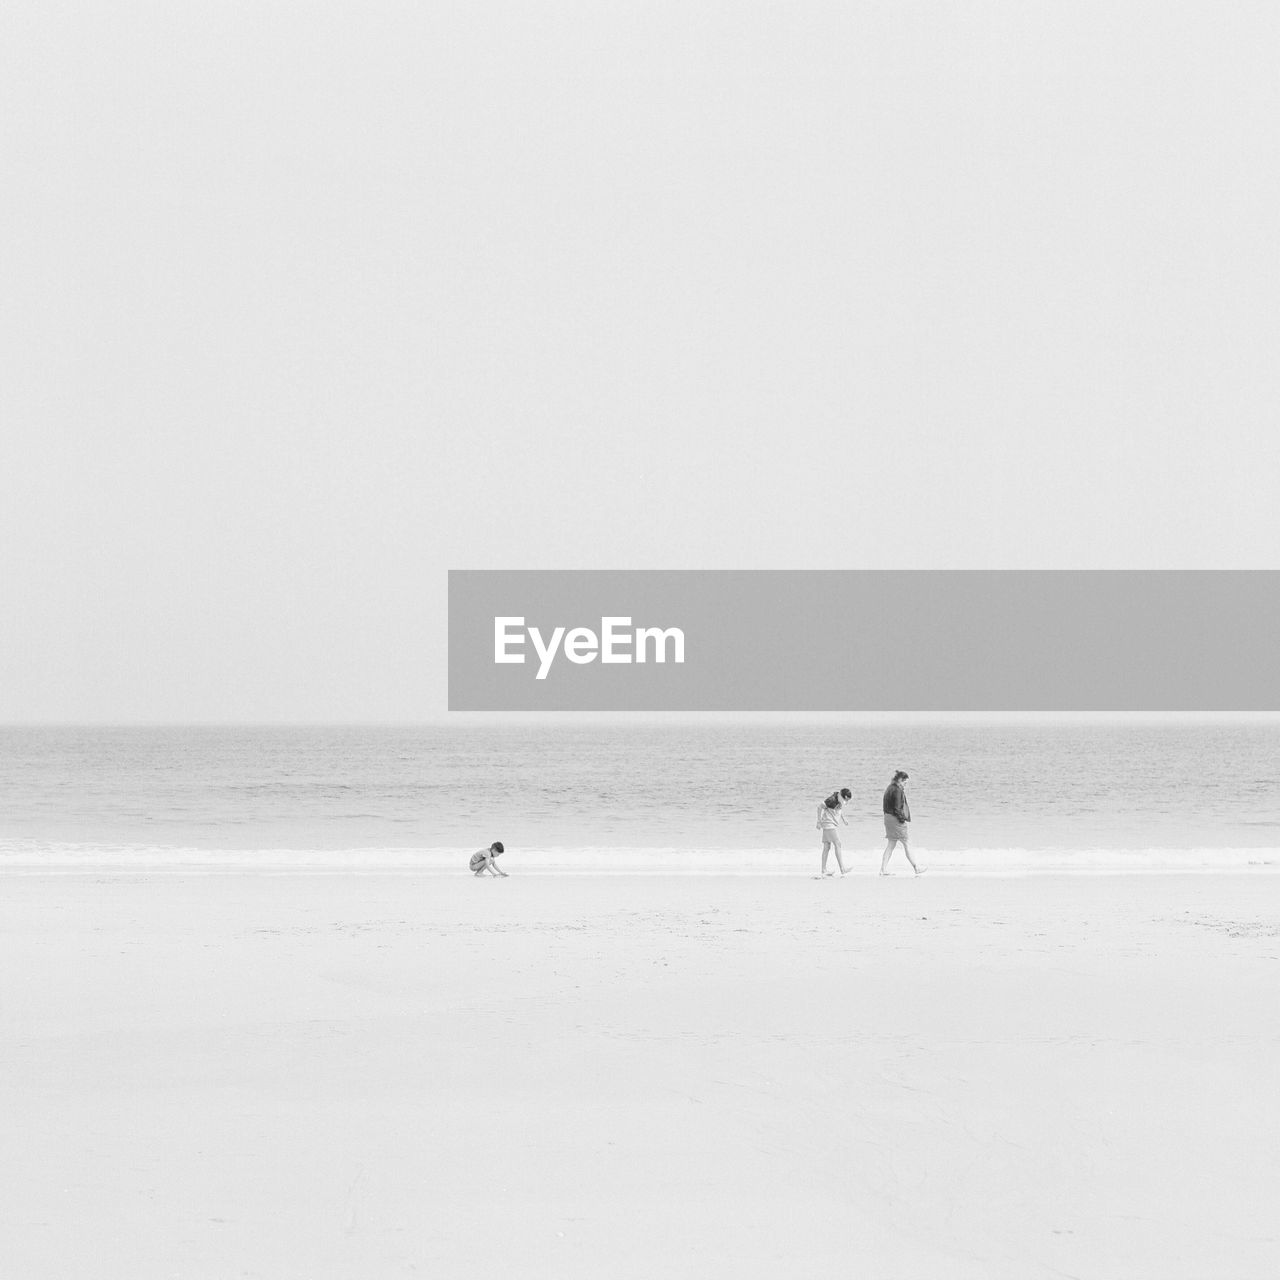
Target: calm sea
point(630, 796)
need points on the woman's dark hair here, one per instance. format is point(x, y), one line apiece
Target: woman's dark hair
point(898, 777)
point(845, 793)
point(496, 846)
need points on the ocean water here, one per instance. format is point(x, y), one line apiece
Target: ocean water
point(985, 796)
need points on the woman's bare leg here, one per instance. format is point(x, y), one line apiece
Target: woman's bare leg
point(884, 862)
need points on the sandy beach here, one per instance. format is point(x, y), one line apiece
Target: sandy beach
point(398, 1075)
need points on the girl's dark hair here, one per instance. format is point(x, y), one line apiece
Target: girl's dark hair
point(496, 846)
point(845, 793)
point(898, 777)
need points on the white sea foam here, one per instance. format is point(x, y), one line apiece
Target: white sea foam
point(31, 857)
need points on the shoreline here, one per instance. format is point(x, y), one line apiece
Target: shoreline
point(121, 872)
point(455, 868)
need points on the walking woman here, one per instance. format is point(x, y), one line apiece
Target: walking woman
point(897, 816)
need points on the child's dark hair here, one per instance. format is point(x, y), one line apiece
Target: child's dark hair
point(496, 846)
point(845, 793)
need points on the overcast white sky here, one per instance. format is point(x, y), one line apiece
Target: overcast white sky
point(305, 304)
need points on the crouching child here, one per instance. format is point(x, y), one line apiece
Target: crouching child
point(486, 860)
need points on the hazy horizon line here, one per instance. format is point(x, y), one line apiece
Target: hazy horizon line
point(479, 719)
